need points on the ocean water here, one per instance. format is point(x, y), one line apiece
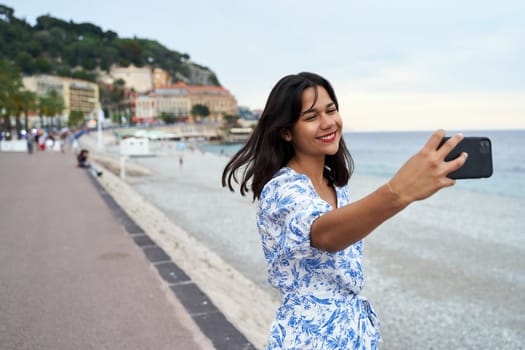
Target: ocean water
point(380, 154)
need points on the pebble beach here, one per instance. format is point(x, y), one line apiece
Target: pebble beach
point(446, 273)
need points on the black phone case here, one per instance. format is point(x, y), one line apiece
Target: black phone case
point(479, 161)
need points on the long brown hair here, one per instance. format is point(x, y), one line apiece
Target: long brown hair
point(266, 152)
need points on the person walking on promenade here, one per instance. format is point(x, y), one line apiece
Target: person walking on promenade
point(29, 143)
point(298, 166)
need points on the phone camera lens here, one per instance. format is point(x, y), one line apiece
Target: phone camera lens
point(484, 147)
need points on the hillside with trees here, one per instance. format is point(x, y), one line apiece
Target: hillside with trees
point(83, 50)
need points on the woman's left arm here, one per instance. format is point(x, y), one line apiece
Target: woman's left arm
point(421, 176)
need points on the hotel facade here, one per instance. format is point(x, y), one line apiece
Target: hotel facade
point(179, 99)
point(78, 95)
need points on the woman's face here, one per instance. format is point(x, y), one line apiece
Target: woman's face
point(318, 130)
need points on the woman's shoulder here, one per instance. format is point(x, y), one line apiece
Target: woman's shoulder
point(286, 179)
point(287, 174)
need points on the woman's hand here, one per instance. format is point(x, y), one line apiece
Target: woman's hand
point(421, 176)
point(426, 172)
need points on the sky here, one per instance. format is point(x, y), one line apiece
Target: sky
point(395, 65)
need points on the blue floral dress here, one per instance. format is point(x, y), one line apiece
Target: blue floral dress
point(321, 306)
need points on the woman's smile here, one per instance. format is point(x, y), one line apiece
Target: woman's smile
point(328, 137)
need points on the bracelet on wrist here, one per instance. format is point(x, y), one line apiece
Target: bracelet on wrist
point(395, 195)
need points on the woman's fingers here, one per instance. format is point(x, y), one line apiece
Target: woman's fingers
point(434, 140)
point(456, 163)
point(448, 146)
point(426, 172)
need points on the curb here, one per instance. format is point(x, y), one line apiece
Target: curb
point(206, 315)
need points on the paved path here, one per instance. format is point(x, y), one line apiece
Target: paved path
point(71, 277)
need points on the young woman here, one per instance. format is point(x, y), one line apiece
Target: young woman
point(298, 166)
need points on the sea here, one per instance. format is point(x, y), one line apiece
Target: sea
point(380, 154)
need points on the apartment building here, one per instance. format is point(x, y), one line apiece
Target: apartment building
point(172, 100)
point(145, 108)
point(218, 100)
point(78, 95)
point(179, 99)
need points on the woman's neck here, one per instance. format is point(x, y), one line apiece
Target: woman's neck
point(314, 169)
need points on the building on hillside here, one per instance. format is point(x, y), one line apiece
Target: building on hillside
point(78, 95)
point(218, 100)
point(200, 75)
point(161, 78)
point(139, 79)
point(173, 101)
point(178, 100)
point(168, 100)
point(145, 109)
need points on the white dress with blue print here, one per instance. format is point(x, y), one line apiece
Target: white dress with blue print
point(321, 306)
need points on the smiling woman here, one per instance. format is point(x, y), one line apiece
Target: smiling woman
point(299, 167)
point(315, 135)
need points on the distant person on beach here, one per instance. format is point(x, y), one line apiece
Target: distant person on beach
point(83, 162)
point(298, 166)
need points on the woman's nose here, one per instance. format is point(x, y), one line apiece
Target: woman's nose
point(326, 121)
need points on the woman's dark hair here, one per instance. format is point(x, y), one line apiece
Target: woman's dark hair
point(266, 151)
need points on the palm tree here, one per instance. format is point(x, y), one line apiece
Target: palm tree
point(50, 105)
point(10, 83)
point(43, 109)
point(25, 101)
point(56, 104)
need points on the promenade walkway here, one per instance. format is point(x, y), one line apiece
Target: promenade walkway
point(77, 273)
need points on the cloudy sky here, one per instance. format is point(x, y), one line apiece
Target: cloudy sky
point(395, 65)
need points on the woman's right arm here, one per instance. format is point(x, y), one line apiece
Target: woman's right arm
point(420, 177)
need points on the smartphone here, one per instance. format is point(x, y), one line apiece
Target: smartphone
point(479, 161)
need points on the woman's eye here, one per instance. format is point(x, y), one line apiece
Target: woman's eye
point(311, 117)
point(330, 111)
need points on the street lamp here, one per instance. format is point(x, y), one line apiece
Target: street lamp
point(99, 128)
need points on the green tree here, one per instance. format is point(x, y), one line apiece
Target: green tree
point(25, 102)
point(26, 62)
point(50, 105)
point(200, 110)
point(76, 119)
point(168, 118)
point(10, 84)
point(42, 65)
point(113, 99)
point(84, 75)
point(53, 45)
point(231, 120)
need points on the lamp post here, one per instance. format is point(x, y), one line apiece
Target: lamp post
point(99, 128)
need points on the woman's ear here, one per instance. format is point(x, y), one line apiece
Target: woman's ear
point(286, 135)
